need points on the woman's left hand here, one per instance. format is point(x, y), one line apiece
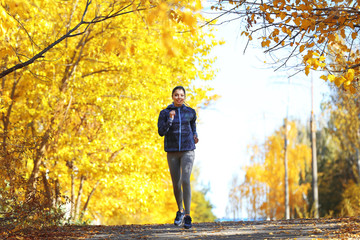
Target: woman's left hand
point(196, 140)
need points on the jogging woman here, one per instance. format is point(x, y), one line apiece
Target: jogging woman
point(178, 124)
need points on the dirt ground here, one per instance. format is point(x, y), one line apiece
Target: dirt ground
point(341, 228)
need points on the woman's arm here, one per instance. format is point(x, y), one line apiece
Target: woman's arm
point(193, 128)
point(164, 123)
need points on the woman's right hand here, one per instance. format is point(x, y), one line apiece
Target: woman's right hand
point(172, 114)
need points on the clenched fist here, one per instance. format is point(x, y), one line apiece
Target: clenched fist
point(172, 114)
point(196, 139)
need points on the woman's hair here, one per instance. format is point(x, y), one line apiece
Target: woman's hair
point(178, 87)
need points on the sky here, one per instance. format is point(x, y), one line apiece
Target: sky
point(253, 104)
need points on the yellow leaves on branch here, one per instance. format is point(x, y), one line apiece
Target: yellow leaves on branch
point(312, 60)
point(99, 95)
point(344, 80)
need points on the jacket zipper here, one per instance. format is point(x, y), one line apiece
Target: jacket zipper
point(179, 130)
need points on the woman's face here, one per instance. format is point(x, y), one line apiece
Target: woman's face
point(178, 97)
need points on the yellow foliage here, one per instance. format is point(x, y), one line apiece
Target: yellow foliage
point(86, 112)
point(339, 80)
point(350, 205)
point(350, 75)
point(331, 78)
point(264, 177)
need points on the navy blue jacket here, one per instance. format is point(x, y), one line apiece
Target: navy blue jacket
point(179, 133)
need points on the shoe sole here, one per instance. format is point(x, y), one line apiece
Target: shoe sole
point(179, 224)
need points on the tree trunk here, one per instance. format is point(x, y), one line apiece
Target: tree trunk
point(358, 156)
point(313, 154)
point(88, 200)
point(72, 197)
point(57, 193)
point(48, 192)
point(6, 121)
point(78, 200)
point(37, 161)
point(70, 164)
point(286, 178)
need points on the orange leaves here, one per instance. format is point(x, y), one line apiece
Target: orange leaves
point(302, 47)
point(275, 32)
point(265, 43)
point(263, 7)
point(354, 35)
point(286, 30)
point(296, 23)
point(342, 33)
point(282, 15)
point(305, 24)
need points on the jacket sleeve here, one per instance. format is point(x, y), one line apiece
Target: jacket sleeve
point(193, 124)
point(164, 123)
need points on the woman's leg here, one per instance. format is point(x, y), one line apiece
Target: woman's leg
point(175, 172)
point(187, 161)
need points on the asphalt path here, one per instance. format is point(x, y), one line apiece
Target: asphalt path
point(344, 228)
point(335, 228)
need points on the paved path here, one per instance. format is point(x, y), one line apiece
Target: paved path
point(340, 228)
point(345, 228)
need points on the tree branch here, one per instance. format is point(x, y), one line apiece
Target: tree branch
point(39, 55)
point(70, 34)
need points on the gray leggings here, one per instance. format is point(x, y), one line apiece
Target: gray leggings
point(180, 165)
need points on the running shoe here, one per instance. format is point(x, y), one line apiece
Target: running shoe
point(187, 222)
point(179, 220)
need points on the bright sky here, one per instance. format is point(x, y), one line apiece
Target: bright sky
point(253, 105)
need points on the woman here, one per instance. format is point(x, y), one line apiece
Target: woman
point(178, 124)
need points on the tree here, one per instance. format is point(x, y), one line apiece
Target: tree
point(77, 123)
point(299, 34)
point(201, 207)
point(85, 14)
point(264, 177)
point(338, 155)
